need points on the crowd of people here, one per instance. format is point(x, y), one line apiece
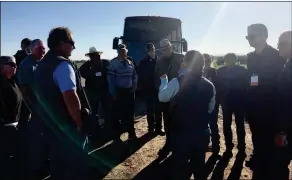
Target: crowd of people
point(46, 113)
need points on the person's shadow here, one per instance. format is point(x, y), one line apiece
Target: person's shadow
point(218, 172)
point(155, 170)
point(103, 160)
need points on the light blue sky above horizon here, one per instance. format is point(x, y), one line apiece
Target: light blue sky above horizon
point(210, 27)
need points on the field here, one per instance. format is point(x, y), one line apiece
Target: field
point(116, 161)
point(141, 164)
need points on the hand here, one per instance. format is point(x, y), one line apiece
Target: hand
point(163, 76)
point(280, 140)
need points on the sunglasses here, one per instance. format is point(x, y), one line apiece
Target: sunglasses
point(11, 64)
point(71, 42)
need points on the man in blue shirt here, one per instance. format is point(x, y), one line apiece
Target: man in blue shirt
point(35, 141)
point(122, 80)
point(60, 95)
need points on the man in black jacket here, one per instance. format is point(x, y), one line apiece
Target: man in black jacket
point(284, 125)
point(233, 81)
point(146, 84)
point(94, 72)
point(169, 63)
point(211, 74)
point(264, 66)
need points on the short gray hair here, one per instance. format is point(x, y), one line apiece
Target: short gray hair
point(34, 43)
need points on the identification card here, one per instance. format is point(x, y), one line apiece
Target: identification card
point(98, 74)
point(254, 80)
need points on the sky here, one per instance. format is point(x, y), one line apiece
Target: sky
point(210, 27)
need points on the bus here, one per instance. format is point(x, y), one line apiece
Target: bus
point(140, 30)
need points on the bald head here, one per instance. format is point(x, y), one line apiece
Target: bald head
point(285, 44)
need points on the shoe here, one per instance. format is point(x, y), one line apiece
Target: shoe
point(160, 132)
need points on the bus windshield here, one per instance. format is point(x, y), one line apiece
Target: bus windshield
point(152, 30)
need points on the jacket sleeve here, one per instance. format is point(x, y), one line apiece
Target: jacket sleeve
point(284, 103)
point(157, 75)
point(111, 78)
point(1, 104)
point(212, 101)
point(85, 70)
point(167, 91)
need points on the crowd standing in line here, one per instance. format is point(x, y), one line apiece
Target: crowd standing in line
point(45, 113)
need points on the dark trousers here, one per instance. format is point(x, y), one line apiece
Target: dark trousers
point(123, 109)
point(164, 109)
point(9, 148)
point(154, 118)
point(36, 144)
point(268, 161)
point(68, 155)
point(188, 159)
point(230, 107)
point(99, 102)
point(213, 123)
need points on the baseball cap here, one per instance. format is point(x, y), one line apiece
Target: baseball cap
point(122, 47)
point(150, 47)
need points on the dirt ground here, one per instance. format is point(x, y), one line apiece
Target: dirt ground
point(141, 164)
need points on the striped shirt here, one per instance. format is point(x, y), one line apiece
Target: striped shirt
point(121, 74)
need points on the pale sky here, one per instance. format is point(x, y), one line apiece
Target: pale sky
point(210, 27)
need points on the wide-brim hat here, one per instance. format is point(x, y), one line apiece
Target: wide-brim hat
point(165, 43)
point(93, 50)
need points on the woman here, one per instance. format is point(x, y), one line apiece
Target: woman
point(10, 108)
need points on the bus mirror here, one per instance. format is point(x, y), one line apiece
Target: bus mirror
point(115, 43)
point(185, 45)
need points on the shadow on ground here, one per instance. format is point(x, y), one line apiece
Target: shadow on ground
point(103, 160)
point(155, 170)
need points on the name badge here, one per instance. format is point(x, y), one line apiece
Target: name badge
point(254, 80)
point(98, 74)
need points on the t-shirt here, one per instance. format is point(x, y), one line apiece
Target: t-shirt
point(64, 77)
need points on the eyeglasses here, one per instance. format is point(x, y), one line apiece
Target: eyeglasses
point(12, 64)
point(71, 42)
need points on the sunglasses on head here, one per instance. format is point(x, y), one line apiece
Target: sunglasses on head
point(12, 64)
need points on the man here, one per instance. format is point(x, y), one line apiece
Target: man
point(120, 46)
point(192, 100)
point(284, 124)
point(10, 108)
point(233, 81)
point(35, 128)
point(211, 74)
point(60, 93)
point(169, 63)
point(264, 66)
point(146, 84)
point(122, 80)
point(95, 74)
point(21, 54)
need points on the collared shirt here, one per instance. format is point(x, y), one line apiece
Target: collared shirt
point(167, 91)
point(121, 74)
